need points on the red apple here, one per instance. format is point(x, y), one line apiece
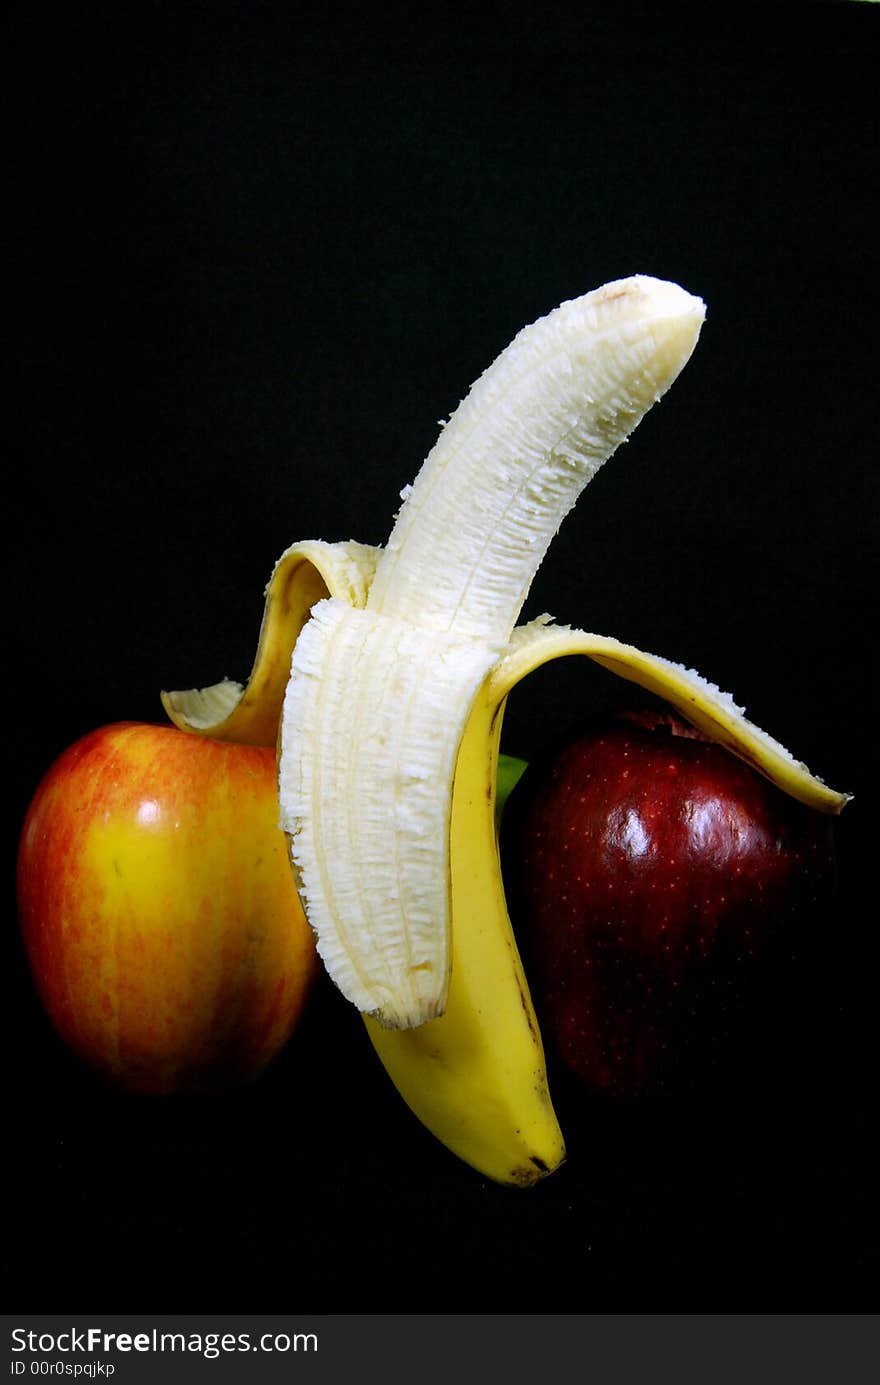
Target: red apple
point(158, 908)
point(649, 872)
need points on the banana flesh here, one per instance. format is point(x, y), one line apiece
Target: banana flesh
point(400, 664)
point(378, 698)
point(516, 454)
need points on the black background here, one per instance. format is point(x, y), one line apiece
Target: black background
point(256, 254)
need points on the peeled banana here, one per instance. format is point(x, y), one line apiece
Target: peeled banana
point(384, 674)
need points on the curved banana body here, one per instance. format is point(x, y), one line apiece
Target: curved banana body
point(476, 1076)
point(400, 664)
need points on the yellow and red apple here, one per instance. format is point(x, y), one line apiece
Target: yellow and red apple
point(158, 908)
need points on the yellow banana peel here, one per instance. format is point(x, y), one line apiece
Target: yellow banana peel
point(464, 1049)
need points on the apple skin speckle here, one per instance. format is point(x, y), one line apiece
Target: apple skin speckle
point(651, 875)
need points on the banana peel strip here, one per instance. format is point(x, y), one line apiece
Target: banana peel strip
point(304, 574)
point(698, 701)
